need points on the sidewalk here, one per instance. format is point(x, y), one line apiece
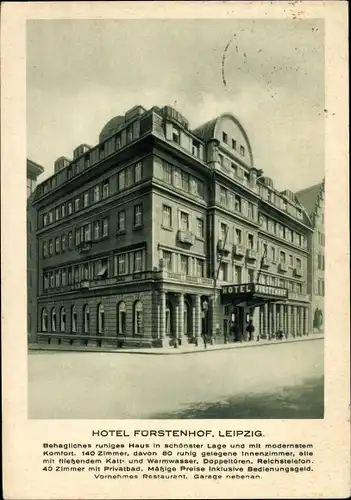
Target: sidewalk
point(186, 349)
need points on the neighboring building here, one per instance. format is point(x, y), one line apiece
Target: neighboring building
point(141, 236)
point(33, 172)
point(312, 199)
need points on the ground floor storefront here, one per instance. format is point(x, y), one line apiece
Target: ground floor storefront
point(168, 314)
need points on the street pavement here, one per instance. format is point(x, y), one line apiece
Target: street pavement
point(98, 385)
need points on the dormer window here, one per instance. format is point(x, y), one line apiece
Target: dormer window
point(195, 148)
point(224, 137)
point(176, 135)
point(233, 143)
point(242, 150)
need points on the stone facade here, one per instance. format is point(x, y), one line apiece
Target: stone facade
point(140, 233)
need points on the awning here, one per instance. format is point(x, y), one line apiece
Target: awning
point(102, 271)
point(253, 294)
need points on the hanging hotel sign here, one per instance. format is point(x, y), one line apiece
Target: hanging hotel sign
point(255, 288)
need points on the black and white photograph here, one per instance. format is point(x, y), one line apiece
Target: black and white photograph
point(175, 218)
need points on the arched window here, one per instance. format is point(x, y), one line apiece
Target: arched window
point(86, 319)
point(44, 320)
point(74, 319)
point(121, 318)
point(62, 319)
point(100, 319)
point(138, 318)
point(53, 319)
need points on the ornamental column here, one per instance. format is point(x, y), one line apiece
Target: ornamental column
point(162, 315)
point(274, 319)
point(302, 330)
point(288, 320)
point(306, 321)
point(197, 330)
point(265, 320)
point(181, 317)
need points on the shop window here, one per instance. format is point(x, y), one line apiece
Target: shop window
point(121, 318)
point(74, 319)
point(53, 319)
point(44, 320)
point(62, 320)
point(138, 318)
point(100, 319)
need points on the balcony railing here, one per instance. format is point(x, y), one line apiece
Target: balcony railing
point(283, 267)
point(185, 237)
point(223, 248)
point(251, 254)
point(238, 251)
point(199, 280)
point(85, 246)
point(298, 272)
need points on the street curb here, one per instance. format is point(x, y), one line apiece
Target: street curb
point(174, 351)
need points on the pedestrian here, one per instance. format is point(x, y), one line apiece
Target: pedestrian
point(236, 332)
point(250, 329)
point(205, 341)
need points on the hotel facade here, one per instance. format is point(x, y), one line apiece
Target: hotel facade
point(161, 235)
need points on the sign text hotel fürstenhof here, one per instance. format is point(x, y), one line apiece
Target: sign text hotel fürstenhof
point(255, 288)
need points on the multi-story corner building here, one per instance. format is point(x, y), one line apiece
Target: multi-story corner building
point(160, 232)
point(312, 199)
point(33, 172)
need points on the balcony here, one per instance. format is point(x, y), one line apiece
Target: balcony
point(283, 267)
point(198, 280)
point(298, 272)
point(223, 248)
point(185, 237)
point(251, 254)
point(84, 246)
point(265, 263)
point(238, 251)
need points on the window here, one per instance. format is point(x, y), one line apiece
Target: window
point(51, 217)
point(70, 208)
point(167, 260)
point(200, 268)
point(44, 320)
point(96, 230)
point(74, 319)
point(176, 135)
point(138, 215)
point(138, 318)
point(250, 210)
point(200, 228)
point(100, 319)
point(45, 249)
point(167, 216)
point(291, 261)
point(167, 173)
point(251, 275)
point(223, 272)
point(85, 200)
point(138, 172)
point(51, 247)
point(319, 261)
point(62, 319)
point(46, 281)
point(86, 319)
point(184, 221)
point(52, 280)
point(86, 274)
point(195, 148)
point(138, 262)
point(184, 265)
point(105, 227)
point(233, 143)
point(122, 180)
point(87, 232)
point(298, 263)
point(250, 241)
point(96, 194)
point(63, 210)
point(57, 213)
point(57, 278)
point(63, 243)
point(238, 236)
point(223, 229)
point(57, 245)
point(299, 288)
point(121, 222)
point(224, 137)
point(273, 254)
point(223, 196)
point(282, 257)
point(121, 318)
point(77, 237)
point(242, 150)
point(121, 268)
point(53, 319)
point(77, 204)
point(281, 283)
point(237, 203)
point(185, 181)
point(177, 177)
point(63, 277)
point(70, 239)
point(105, 189)
point(45, 219)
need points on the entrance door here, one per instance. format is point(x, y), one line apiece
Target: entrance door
point(239, 321)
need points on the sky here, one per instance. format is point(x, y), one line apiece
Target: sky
point(268, 73)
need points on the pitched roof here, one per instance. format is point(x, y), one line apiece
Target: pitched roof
point(308, 197)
